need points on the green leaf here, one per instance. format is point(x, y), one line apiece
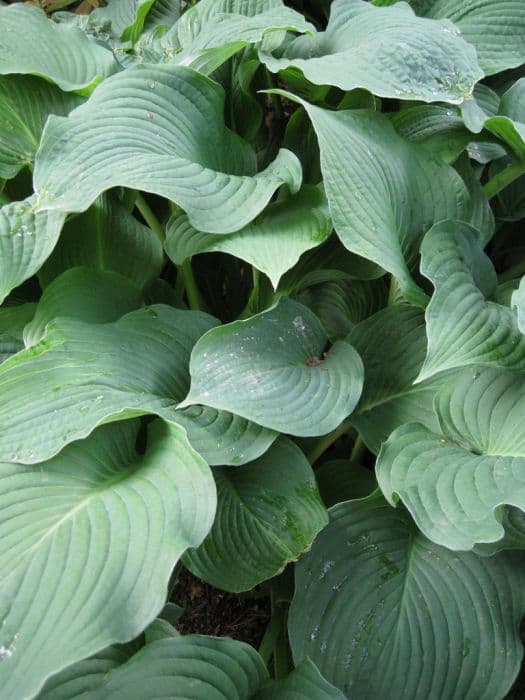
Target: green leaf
point(263, 521)
point(388, 51)
point(13, 319)
point(91, 538)
point(97, 238)
point(27, 237)
point(456, 486)
point(496, 31)
point(222, 437)
point(392, 344)
point(272, 244)
point(74, 681)
point(463, 326)
point(373, 594)
point(193, 666)
point(25, 103)
point(86, 295)
point(271, 369)
point(159, 129)
point(70, 59)
point(518, 302)
point(436, 127)
point(342, 303)
point(304, 683)
point(384, 193)
point(83, 374)
point(205, 40)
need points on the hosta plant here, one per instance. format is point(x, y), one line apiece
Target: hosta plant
point(262, 318)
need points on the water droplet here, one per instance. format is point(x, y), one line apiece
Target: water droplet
point(299, 323)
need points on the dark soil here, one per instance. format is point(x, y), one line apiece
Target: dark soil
point(211, 611)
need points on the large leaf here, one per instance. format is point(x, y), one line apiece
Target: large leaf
point(463, 326)
point(97, 239)
point(272, 244)
point(263, 521)
point(193, 666)
point(384, 613)
point(87, 295)
point(383, 192)
point(518, 301)
point(33, 44)
point(272, 369)
point(158, 129)
point(392, 344)
point(304, 683)
point(495, 28)
point(90, 539)
point(83, 374)
point(25, 103)
point(388, 51)
point(456, 486)
point(204, 40)
point(27, 237)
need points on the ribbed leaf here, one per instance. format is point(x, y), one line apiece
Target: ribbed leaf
point(342, 303)
point(263, 521)
point(85, 675)
point(86, 295)
point(13, 320)
point(27, 237)
point(389, 51)
point(90, 538)
point(272, 369)
point(463, 326)
point(98, 238)
point(383, 192)
point(222, 437)
point(194, 666)
point(33, 44)
point(392, 344)
point(304, 683)
point(272, 244)
point(438, 128)
point(158, 129)
point(25, 103)
point(84, 374)
point(456, 486)
point(495, 27)
point(385, 614)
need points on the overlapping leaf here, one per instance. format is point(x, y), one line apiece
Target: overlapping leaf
point(263, 521)
point(518, 301)
point(159, 129)
point(304, 683)
point(33, 44)
point(456, 486)
point(392, 344)
point(272, 244)
point(463, 326)
point(495, 28)
point(97, 239)
point(91, 537)
point(25, 103)
point(13, 320)
point(273, 370)
point(384, 193)
point(27, 237)
point(388, 51)
point(376, 604)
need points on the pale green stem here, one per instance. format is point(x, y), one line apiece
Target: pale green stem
point(149, 217)
point(504, 178)
point(327, 441)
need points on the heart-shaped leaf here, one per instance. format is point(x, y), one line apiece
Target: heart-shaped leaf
point(263, 522)
point(374, 594)
point(457, 484)
point(273, 370)
point(91, 537)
